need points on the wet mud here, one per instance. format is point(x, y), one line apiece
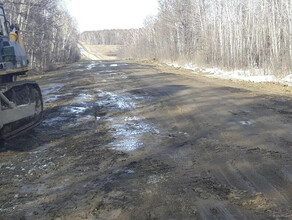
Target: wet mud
point(122, 140)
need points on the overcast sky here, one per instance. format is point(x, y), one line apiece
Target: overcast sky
point(111, 14)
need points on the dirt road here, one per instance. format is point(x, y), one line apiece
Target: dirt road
point(121, 140)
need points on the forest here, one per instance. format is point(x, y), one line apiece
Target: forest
point(231, 34)
point(49, 32)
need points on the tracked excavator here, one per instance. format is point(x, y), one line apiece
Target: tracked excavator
point(21, 104)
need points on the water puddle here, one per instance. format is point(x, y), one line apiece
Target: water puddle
point(102, 65)
point(51, 89)
point(128, 133)
point(114, 100)
point(84, 120)
point(243, 123)
point(54, 121)
point(83, 97)
point(53, 98)
point(106, 72)
point(42, 148)
point(114, 65)
point(76, 110)
point(50, 99)
point(246, 123)
point(90, 66)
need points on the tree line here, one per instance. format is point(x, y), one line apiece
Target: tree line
point(105, 37)
point(251, 34)
point(49, 33)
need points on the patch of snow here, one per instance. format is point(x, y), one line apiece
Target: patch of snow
point(287, 80)
point(244, 75)
point(188, 66)
point(255, 75)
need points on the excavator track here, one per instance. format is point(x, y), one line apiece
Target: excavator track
point(24, 94)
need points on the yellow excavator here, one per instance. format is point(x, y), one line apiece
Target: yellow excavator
point(21, 104)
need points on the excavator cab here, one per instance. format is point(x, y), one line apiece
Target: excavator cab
point(21, 103)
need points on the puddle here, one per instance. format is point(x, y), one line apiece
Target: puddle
point(106, 71)
point(84, 120)
point(53, 121)
point(129, 171)
point(246, 123)
point(74, 109)
point(114, 100)
point(42, 148)
point(134, 118)
point(90, 66)
point(51, 89)
point(84, 98)
point(51, 99)
point(114, 65)
point(102, 65)
point(128, 133)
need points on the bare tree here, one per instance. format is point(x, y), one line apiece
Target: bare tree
point(50, 34)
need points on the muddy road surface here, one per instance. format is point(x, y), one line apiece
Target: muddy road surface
point(121, 140)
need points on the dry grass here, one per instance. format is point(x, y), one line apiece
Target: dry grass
point(103, 52)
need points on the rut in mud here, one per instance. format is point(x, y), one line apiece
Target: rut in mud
point(121, 140)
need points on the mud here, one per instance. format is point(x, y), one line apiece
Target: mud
point(122, 140)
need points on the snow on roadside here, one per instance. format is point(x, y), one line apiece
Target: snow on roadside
point(287, 80)
point(256, 76)
point(188, 66)
point(243, 75)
